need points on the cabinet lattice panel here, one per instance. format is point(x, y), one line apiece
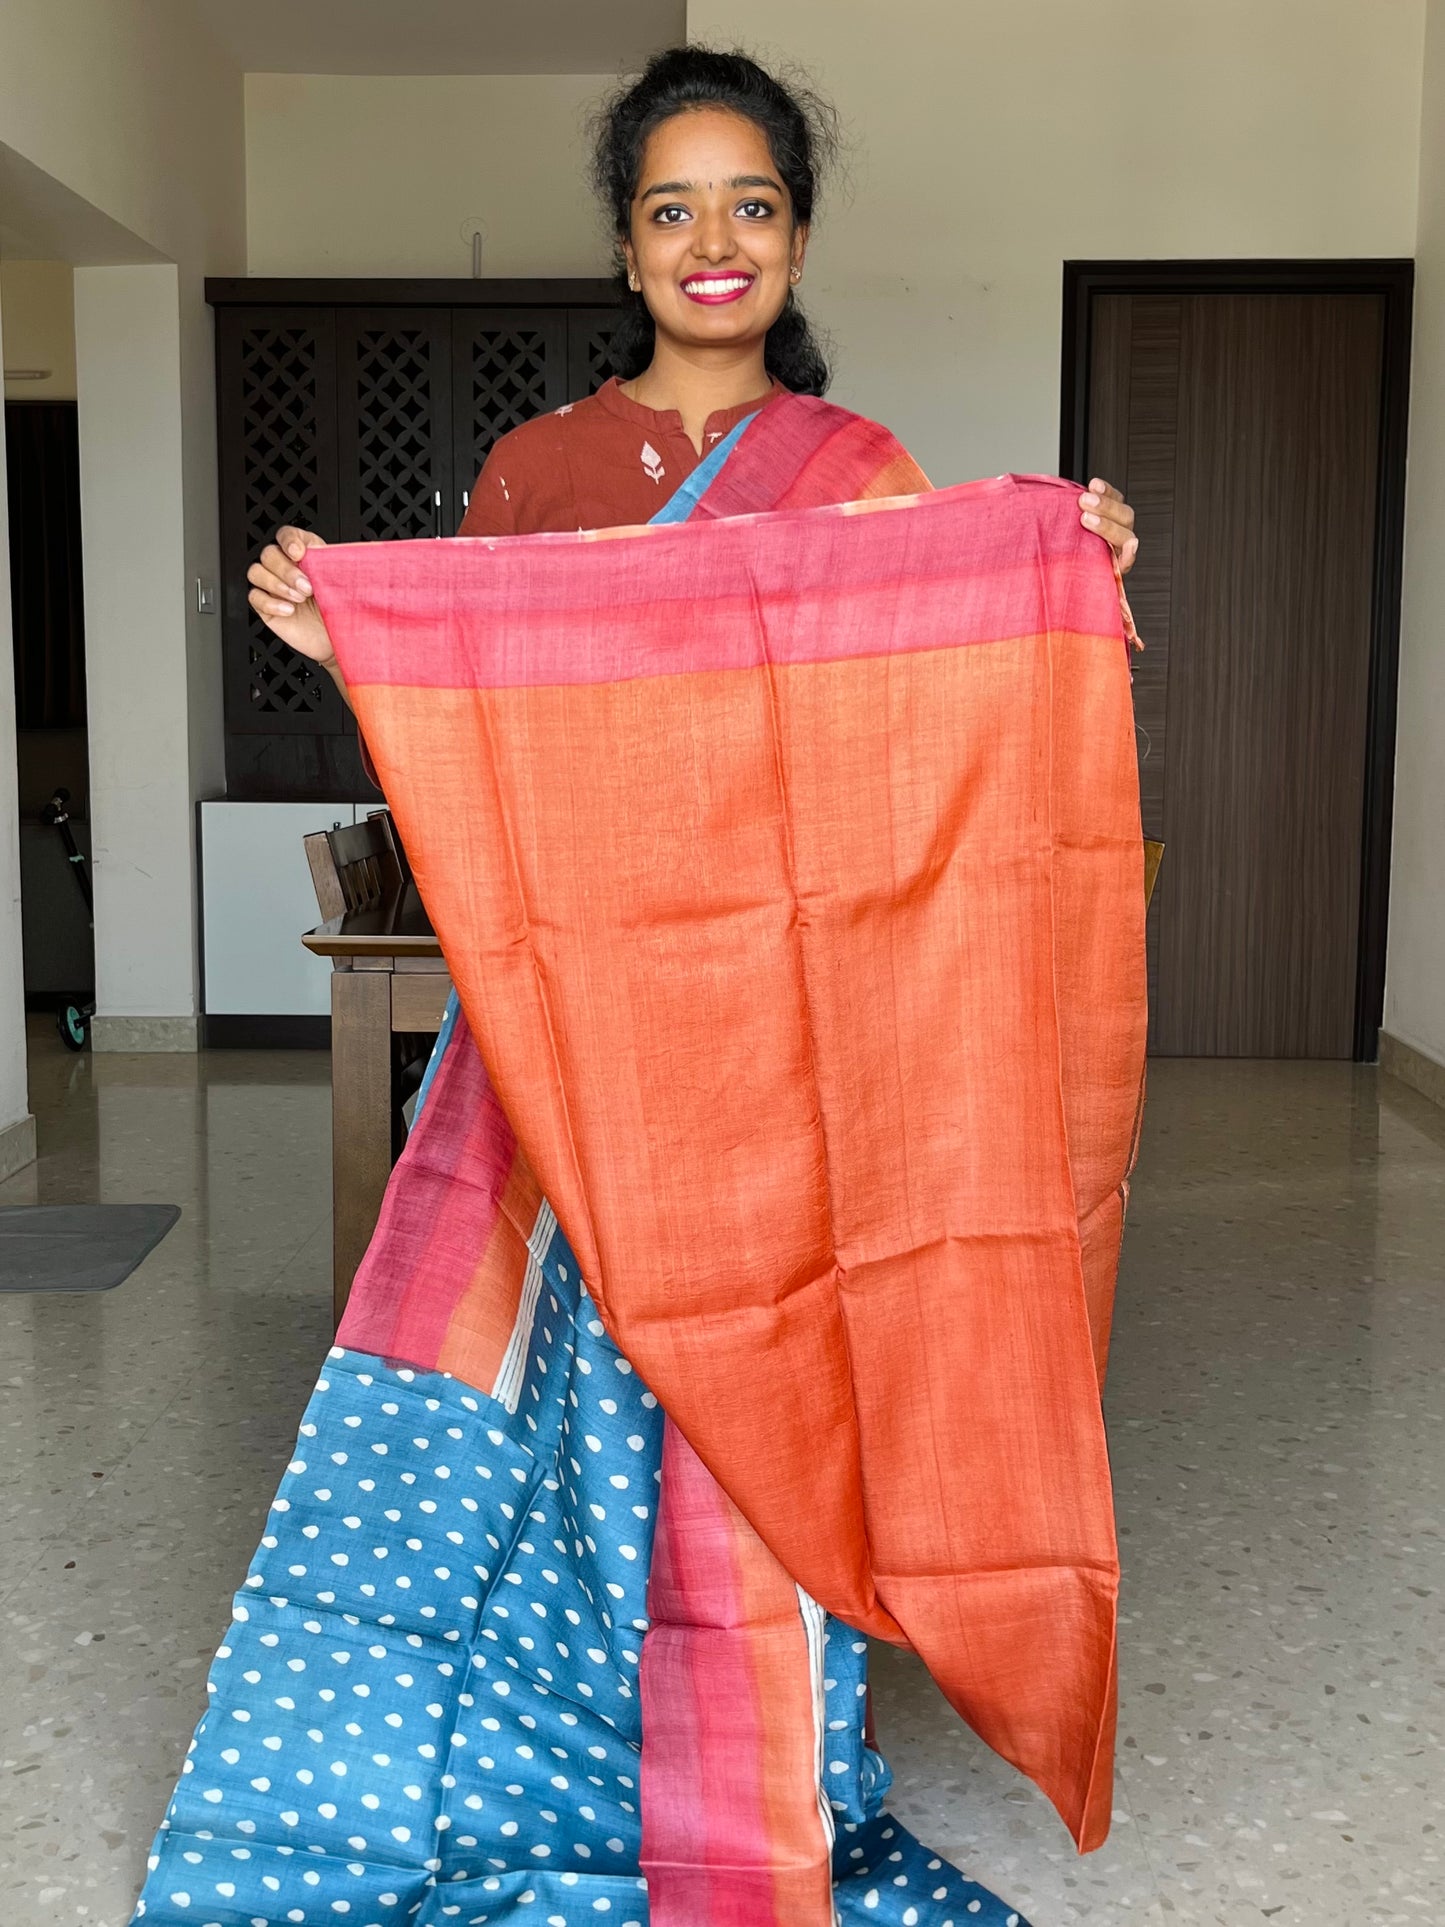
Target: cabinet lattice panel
point(398, 433)
point(365, 411)
point(599, 358)
point(280, 378)
point(507, 380)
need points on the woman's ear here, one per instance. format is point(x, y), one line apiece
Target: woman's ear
point(634, 280)
point(800, 244)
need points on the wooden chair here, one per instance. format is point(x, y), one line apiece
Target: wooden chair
point(362, 867)
point(358, 867)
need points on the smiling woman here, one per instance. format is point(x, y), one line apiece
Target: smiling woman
point(711, 201)
point(720, 1769)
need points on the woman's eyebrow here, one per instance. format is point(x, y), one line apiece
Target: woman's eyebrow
point(690, 187)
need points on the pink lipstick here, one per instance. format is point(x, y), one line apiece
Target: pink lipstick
point(712, 290)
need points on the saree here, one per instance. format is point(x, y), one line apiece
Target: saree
point(664, 926)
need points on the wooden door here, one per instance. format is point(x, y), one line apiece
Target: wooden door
point(508, 365)
point(1246, 429)
point(394, 423)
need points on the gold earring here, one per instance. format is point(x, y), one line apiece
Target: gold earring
point(634, 283)
point(796, 275)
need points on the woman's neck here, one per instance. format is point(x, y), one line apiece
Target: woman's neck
point(699, 382)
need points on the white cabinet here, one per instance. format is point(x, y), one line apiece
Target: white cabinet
point(256, 900)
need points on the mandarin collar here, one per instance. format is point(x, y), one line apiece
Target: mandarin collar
point(669, 420)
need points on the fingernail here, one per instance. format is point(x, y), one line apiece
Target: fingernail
point(303, 586)
point(295, 550)
point(1089, 501)
point(1090, 521)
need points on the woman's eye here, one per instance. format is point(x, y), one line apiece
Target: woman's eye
point(665, 215)
point(756, 208)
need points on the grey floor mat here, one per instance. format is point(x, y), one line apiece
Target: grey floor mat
point(77, 1247)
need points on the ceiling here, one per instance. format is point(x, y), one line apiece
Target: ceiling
point(443, 36)
point(41, 220)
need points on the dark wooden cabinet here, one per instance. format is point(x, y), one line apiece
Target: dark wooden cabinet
point(364, 410)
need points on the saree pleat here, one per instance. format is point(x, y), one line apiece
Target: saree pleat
point(732, 1705)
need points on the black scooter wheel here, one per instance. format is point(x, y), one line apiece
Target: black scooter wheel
point(73, 1027)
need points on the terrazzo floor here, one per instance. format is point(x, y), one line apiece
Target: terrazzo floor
point(1278, 1432)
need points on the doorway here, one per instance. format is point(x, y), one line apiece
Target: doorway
point(52, 748)
point(1255, 413)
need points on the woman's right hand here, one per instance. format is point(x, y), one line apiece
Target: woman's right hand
point(281, 596)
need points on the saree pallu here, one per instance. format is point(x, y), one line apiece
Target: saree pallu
point(685, 872)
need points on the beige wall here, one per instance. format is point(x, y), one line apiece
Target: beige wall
point(128, 334)
point(124, 142)
point(348, 174)
point(17, 1126)
point(133, 108)
point(991, 143)
point(39, 303)
point(1415, 980)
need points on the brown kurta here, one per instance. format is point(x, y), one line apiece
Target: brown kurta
point(594, 464)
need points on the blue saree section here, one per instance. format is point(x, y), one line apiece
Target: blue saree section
point(427, 1708)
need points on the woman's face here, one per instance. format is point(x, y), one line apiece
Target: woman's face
point(713, 240)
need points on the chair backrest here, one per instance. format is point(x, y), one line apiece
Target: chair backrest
point(355, 867)
point(388, 824)
point(1153, 856)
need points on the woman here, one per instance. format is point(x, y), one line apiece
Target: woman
point(709, 171)
point(708, 166)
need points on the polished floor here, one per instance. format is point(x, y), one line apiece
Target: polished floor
point(1278, 1428)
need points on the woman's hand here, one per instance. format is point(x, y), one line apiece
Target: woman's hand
point(281, 597)
point(1104, 510)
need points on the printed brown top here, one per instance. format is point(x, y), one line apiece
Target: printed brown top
point(594, 464)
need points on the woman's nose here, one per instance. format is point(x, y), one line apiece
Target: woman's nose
point(713, 238)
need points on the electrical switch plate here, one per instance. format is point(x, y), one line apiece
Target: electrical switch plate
point(205, 596)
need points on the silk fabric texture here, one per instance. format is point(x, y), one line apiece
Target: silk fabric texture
point(789, 870)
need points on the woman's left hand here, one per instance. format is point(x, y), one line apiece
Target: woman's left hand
point(1104, 510)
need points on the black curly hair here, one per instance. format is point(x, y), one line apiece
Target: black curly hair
point(801, 132)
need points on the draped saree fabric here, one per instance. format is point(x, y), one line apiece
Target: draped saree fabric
point(790, 873)
point(788, 866)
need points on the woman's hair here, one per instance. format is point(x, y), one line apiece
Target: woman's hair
point(801, 132)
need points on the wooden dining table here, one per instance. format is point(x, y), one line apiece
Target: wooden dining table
point(388, 978)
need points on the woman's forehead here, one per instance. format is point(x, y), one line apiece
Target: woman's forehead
point(706, 146)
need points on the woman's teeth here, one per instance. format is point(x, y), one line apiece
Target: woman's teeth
point(724, 284)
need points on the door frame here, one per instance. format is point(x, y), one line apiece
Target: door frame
point(1393, 280)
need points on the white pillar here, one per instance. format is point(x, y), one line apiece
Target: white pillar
point(17, 1126)
point(132, 505)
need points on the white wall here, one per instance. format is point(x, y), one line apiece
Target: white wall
point(991, 143)
point(128, 339)
point(17, 1127)
point(132, 107)
point(358, 175)
point(1415, 978)
point(39, 301)
point(127, 121)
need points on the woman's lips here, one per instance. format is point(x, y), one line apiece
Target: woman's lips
point(713, 289)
